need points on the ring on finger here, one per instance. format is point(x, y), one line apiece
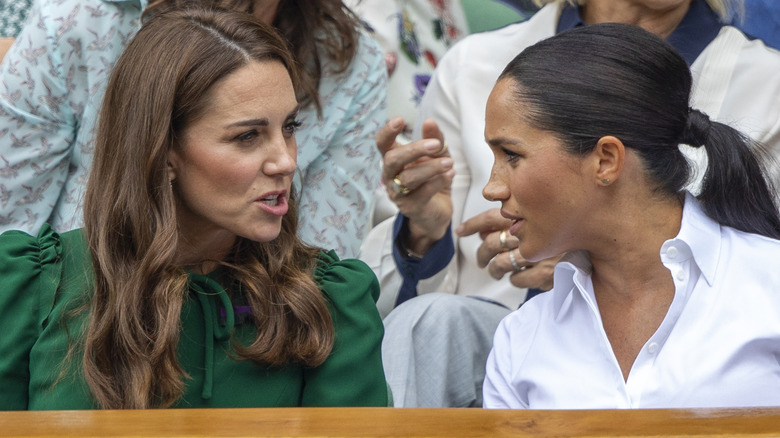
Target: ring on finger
point(399, 188)
point(502, 239)
point(513, 260)
point(443, 149)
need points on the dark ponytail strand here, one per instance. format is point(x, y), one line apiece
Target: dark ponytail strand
point(734, 191)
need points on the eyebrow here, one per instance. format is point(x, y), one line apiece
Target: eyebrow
point(502, 141)
point(264, 121)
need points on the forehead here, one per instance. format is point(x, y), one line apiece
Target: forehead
point(503, 109)
point(258, 84)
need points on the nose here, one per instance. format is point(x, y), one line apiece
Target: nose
point(495, 189)
point(283, 161)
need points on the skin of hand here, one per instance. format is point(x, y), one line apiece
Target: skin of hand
point(427, 172)
point(490, 254)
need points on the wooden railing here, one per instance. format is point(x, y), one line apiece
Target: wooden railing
point(385, 422)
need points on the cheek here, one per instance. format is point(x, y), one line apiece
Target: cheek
point(222, 173)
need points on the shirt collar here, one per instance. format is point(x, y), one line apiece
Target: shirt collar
point(694, 33)
point(702, 235)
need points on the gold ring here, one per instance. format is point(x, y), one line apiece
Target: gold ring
point(399, 188)
point(443, 149)
point(502, 239)
point(514, 261)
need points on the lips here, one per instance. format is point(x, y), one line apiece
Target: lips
point(517, 222)
point(274, 203)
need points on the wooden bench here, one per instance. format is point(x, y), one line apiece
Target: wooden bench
point(384, 422)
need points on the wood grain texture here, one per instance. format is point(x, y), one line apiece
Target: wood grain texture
point(389, 422)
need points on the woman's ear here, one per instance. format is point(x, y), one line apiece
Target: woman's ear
point(172, 164)
point(610, 154)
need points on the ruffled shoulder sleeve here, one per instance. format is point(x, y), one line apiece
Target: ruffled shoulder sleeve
point(353, 374)
point(30, 268)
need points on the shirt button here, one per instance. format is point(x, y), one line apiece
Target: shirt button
point(652, 348)
point(672, 252)
point(681, 275)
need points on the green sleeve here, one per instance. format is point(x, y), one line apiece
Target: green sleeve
point(29, 275)
point(353, 374)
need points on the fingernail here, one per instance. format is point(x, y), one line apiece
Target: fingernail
point(396, 123)
point(459, 229)
point(446, 163)
point(432, 145)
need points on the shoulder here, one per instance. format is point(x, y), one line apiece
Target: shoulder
point(749, 52)
point(501, 45)
point(18, 248)
point(345, 280)
point(30, 268)
point(368, 48)
point(740, 245)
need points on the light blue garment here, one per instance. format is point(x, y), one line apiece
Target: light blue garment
point(52, 83)
point(12, 16)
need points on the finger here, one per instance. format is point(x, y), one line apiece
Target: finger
point(532, 277)
point(491, 246)
point(417, 199)
point(484, 223)
point(500, 266)
point(385, 138)
point(431, 130)
point(401, 158)
point(418, 173)
point(537, 275)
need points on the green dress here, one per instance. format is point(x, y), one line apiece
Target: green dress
point(43, 278)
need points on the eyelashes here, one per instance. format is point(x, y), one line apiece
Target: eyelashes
point(251, 135)
point(511, 157)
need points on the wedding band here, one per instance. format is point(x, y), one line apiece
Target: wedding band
point(443, 148)
point(502, 239)
point(514, 262)
point(399, 188)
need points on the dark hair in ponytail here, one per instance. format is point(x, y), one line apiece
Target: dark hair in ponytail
point(617, 79)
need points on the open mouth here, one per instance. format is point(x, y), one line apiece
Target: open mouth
point(271, 200)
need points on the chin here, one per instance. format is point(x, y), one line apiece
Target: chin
point(264, 234)
point(531, 253)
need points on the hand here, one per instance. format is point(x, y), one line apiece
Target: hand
point(497, 257)
point(425, 169)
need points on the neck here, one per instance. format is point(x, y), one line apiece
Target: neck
point(626, 259)
point(660, 20)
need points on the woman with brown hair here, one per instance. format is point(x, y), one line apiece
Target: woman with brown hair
point(52, 80)
point(199, 292)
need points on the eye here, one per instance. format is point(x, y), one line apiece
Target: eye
point(246, 137)
point(511, 157)
point(291, 126)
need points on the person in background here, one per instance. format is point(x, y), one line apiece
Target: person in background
point(413, 37)
point(12, 17)
point(449, 239)
point(53, 78)
point(663, 299)
point(188, 286)
point(761, 20)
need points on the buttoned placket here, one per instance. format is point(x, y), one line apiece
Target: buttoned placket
point(642, 378)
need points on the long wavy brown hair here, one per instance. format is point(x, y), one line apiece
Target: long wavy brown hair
point(158, 87)
point(322, 35)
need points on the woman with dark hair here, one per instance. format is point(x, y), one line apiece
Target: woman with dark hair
point(663, 299)
point(55, 76)
point(199, 292)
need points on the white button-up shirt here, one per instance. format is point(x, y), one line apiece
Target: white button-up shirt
point(718, 346)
